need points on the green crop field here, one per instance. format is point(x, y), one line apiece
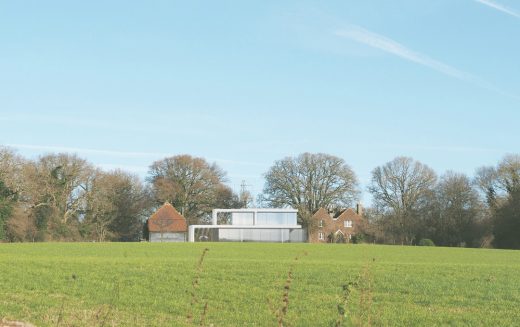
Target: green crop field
point(144, 284)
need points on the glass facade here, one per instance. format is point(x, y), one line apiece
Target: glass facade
point(242, 218)
point(222, 234)
point(250, 225)
point(276, 218)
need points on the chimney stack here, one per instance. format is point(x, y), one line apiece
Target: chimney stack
point(359, 208)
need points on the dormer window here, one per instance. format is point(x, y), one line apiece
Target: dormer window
point(348, 223)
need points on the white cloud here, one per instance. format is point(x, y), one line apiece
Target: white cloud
point(499, 7)
point(111, 124)
point(125, 154)
point(65, 120)
point(140, 170)
point(444, 148)
point(238, 162)
point(87, 151)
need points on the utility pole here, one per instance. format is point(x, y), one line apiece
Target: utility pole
point(245, 196)
point(243, 187)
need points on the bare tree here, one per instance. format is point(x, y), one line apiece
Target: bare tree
point(11, 187)
point(190, 184)
point(101, 210)
point(497, 183)
point(501, 185)
point(458, 212)
point(245, 198)
point(11, 166)
point(308, 182)
point(20, 227)
point(508, 173)
point(485, 180)
point(226, 198)
point(400, 188)
point(56, 189)
point(117, 204)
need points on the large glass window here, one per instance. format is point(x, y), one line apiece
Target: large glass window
point(276, 218)
point(229, 234)
point(249, 235)
point(205, 235)
point(254, 235)
point(242, 218)
point(224, 218)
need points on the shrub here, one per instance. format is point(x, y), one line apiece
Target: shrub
point(426, 242)
point(358, 238)
point(336, 238)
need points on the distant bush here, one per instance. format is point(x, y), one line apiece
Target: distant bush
point(336, 238)
point(358, 238)
point(426, 242)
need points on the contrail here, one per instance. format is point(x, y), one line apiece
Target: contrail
point(386, 44)
point(499, 7)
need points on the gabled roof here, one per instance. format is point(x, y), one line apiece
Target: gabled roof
point(167, 220)
point(321, 214)
point(349, 213)
point(324, 214)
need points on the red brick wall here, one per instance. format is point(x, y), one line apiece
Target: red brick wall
point(331, 225)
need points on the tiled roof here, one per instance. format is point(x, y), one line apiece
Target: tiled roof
point(324, 214)
point(167, 220)
point(349, 213)
point(321, 214)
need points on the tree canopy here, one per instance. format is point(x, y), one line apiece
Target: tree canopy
point(308, 182)
point(191, 185)
point(400, 188)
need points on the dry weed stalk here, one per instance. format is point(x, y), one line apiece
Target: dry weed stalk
point(194, 291)
point(363, 285)
point(281, 312)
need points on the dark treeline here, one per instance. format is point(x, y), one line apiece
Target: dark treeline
point(61, 197)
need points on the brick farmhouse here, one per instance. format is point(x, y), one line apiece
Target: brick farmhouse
point(330, 227)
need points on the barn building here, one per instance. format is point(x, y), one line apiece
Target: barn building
point(167, 225)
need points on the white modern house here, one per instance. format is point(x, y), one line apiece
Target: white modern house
point(250, 225)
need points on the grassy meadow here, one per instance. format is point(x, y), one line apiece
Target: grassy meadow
point(229, 284)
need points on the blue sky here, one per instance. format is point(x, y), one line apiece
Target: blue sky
point(245, 83)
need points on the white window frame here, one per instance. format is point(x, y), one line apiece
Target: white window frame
point(321, 236)
point(321, 223)
point(347, 223)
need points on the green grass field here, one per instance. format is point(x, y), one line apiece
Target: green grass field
point(143, 284)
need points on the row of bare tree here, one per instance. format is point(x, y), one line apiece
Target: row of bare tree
point(60, 197)
point(410, 202)
point(63, 197)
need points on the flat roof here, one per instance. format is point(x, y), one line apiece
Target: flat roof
point(247, 226)
point(258, 210)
